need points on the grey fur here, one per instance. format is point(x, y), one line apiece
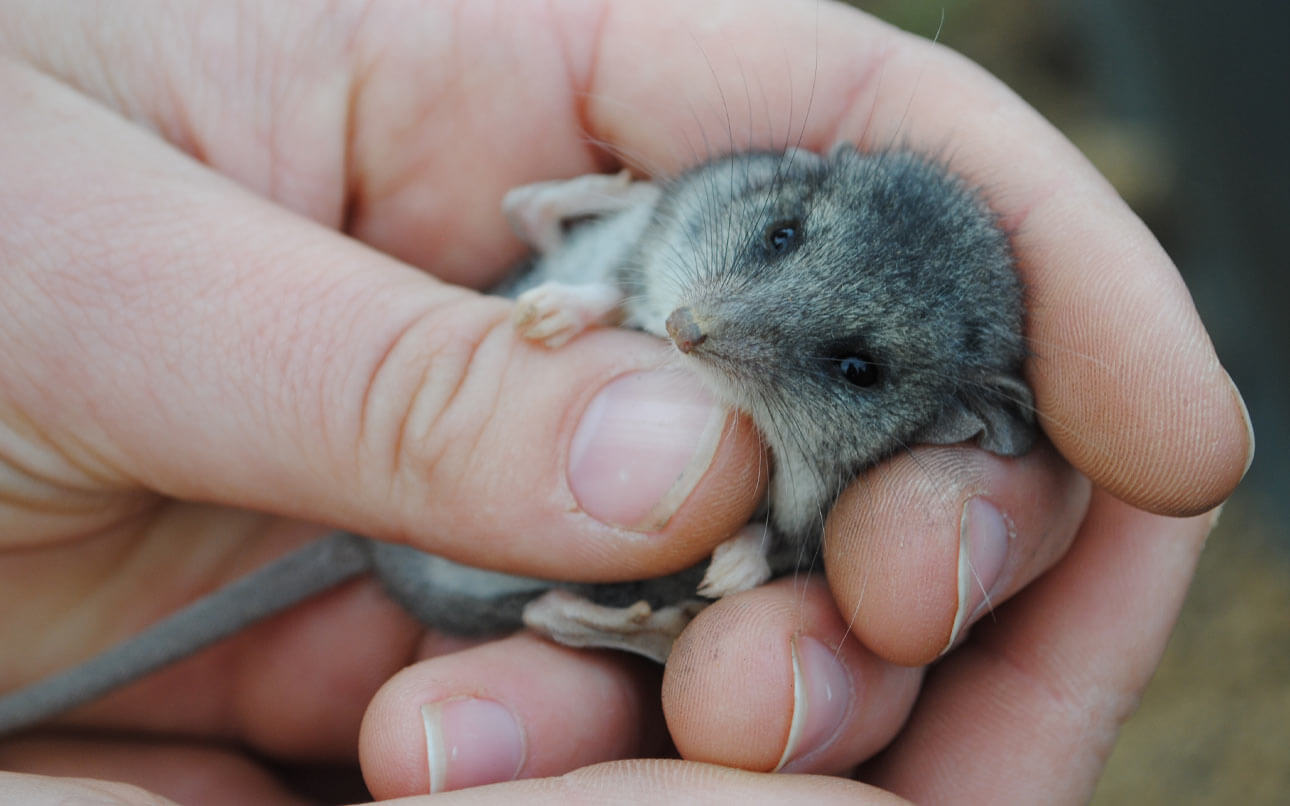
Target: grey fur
point(894, 260)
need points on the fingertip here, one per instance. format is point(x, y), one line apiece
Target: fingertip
point(823, 693)
point(1127, 384)
point(728, 684)
point(1244, 412)
point(771, 680)
point(640, 447)
point(1230, 458)
point(727, 494)
point(1150, 443)
point(886, 571)
point(520, 707)
point(1049, 685)
point(655, 453)
point(471, 741)
point(927, 543)
point(592, 462)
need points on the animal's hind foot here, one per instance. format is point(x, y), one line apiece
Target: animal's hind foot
point(538, 212)
point(571, 620)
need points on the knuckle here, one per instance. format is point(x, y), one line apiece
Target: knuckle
point(430, 394)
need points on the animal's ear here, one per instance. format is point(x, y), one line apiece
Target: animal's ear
point(999, 416)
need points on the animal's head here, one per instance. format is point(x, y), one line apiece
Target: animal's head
point(853, 305)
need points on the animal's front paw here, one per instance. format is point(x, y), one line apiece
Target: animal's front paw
point(739, 564)
point(553, 313)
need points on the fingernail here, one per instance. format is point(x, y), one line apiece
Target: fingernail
point(984, 534)
point(642, 445)
point(822, 695)
point(471, 742)
point(1249, 425)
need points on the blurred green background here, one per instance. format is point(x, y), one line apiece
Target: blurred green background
point(1184, 106)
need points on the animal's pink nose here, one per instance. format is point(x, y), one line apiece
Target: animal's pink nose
point(685, 332)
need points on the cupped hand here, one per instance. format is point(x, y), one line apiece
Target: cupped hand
point(183, 323)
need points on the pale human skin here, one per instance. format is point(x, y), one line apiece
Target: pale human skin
point(177, 330)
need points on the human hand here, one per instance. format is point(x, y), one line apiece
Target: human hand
point(229, 399)
point(1129, 392)
point(173, 337)
point(921, 548)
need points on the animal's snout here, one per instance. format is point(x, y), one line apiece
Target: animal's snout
point(686, 333)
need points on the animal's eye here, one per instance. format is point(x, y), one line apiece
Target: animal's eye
point(783, 236)
point(859, 370)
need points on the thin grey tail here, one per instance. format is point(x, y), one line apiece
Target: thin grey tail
point(277, 586)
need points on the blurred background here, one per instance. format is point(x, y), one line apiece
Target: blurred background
point(1185, 106)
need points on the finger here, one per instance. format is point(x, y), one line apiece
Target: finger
point(516, 708)
point(1031, 704)
point(661, 781)
point(195, 340)
point(923, 546)
point(182, 772)
point(771, 680)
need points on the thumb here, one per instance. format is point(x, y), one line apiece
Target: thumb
point(182, 335)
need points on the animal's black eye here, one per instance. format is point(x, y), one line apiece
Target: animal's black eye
point(859, 370)
point(783, 236)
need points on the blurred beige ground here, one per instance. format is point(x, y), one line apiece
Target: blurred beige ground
point(1214, 726)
